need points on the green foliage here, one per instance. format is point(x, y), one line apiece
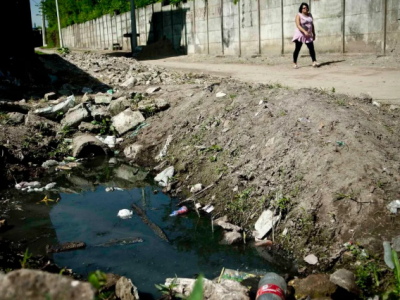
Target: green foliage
point(197, 293)
point(396, 271)
point(105, 126)
point(24, 261)
point(97, 279)
point(63, 50)
point(168, 290)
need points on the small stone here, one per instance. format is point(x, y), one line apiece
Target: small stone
point(345, 279)
point(49, 163)
point(102, 99)
point(223, 222)
point(152, 90)
point(16, 117)
point(76, 115)
point(161, 104)
point(50, 96)
point(196, 188)
point(132, 151)
point(89, 127)
point(396, 243)
point(220, 95)
point(130, 82)
point(127, 120)
point(394, 107)
point(316, 286)
point(376, 103)
point(86, 98)
point(125, 290)
point(311, 259)
point(231, 237)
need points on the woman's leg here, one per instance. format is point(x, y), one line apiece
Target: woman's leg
point(297, 51)
point(312, 51)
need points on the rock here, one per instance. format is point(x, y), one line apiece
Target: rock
point(145, 106)
point(86, 98)
point(118, 106)
point(376, 103)
point(226, 289)
point(265, 222)
point(68, 246)
point(132, 151)
point(345, 279)
point(365, 98)
point(311, 259)
point(49, 163)
point(50, 96)
point(76, 115)
point(163, 177)
point(85, 144)
point(394, 107)
point(109, 140)
point(129, 83)
point(316, 286)
point(33, 120)
point(231, 237)
point(26, 284)
point(223, 222)
point(196, 188)
point(152, 90)
point(11, 106)
point(99, 113)
point(102, 99)
point(112, 280)
point(127, 120)
point(3, 225)
point(161, 104)
point(125, 290)
point(396, 243)
point(220, 95)
point(53, 111)
point(130, 173)
point(89, 127)
point(16, 117)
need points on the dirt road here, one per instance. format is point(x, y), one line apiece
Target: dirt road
point(381, 82)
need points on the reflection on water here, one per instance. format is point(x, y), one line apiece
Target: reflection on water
point(86, 212)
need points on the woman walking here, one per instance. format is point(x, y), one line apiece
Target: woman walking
point(304, 33)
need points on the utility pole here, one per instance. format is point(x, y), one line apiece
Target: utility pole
point(133, 27)
point(43, 27)
point(59, 25)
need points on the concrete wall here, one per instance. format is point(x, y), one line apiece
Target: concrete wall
point(249, 27)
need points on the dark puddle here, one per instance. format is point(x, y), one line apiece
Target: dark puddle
point(129, 247)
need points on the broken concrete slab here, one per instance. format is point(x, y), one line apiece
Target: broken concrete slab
point(16, 117)
point(102, 99)
point(24, 284)
point(99, 112)
point(132, 151)
point(127, 120)
point(265, 222)
point(118, 106)
point(85, 144)
point(161, 104)
point(76, 115)
point(129, 83)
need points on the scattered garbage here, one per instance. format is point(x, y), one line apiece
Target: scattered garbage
point(109, 140)
point(285, 231)
point(340, 143)
point(125, 214)
point(208, 208)
point(111, 189)
point(181, 211)
point(110, 92)
point(393, 206)
point(163, 151)
point(163, 177)
point(196, 188)
point(220, 94)
point(113, 161)
point(141, 126)
point(265, 223)
point(388, 255)
point(311, 259)
point(235, 275)
point(24, 184)
point(197, 205)
point(304, 120)
point(271, 285)
point(50, 186)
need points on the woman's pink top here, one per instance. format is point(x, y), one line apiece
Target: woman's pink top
point(307, 23)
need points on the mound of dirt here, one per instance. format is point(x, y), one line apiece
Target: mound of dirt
point(328, 163)
point(162, 48)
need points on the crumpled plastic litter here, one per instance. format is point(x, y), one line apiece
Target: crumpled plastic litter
point(393, 206)
point(125, 214)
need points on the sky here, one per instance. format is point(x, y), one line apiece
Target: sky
point(34, 12)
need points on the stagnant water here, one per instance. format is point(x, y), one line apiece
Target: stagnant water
point(86, 212)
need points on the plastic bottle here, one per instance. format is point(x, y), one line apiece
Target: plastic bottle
point(271, 287)
point(182, 210)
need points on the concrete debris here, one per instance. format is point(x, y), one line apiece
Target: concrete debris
point(132, 151)
point(34, 284)
point(164, 150)
point(345, 279)
point(164, 177)
point(129, 83)
point(376, 103)
point(102, 99)
point(16, 117)
point(196, 188)
point(85, 144)
point(127, 120)
point(152, 90)
point(161, 104)
point(231, 237)
point(226, 289)
point(89, 127)
point(311, 259)
point(99, 113)
point(118, 106)
point(110, 140)
point(265, 222)
point(393, 206)
point(315, 286)
point(86, 98)
point(126, 290)
point(54, 111)
point(33, 120)
point(76, 115)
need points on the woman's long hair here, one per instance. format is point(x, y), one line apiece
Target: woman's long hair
point(301, 7)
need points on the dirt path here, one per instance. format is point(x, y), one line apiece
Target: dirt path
point(381, 83)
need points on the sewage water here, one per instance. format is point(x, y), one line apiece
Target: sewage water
point(86, 212)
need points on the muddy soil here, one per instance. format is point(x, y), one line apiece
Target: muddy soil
point(326, 162)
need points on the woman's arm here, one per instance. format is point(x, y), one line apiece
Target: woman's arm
point(299, 26)
point(313, 29)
